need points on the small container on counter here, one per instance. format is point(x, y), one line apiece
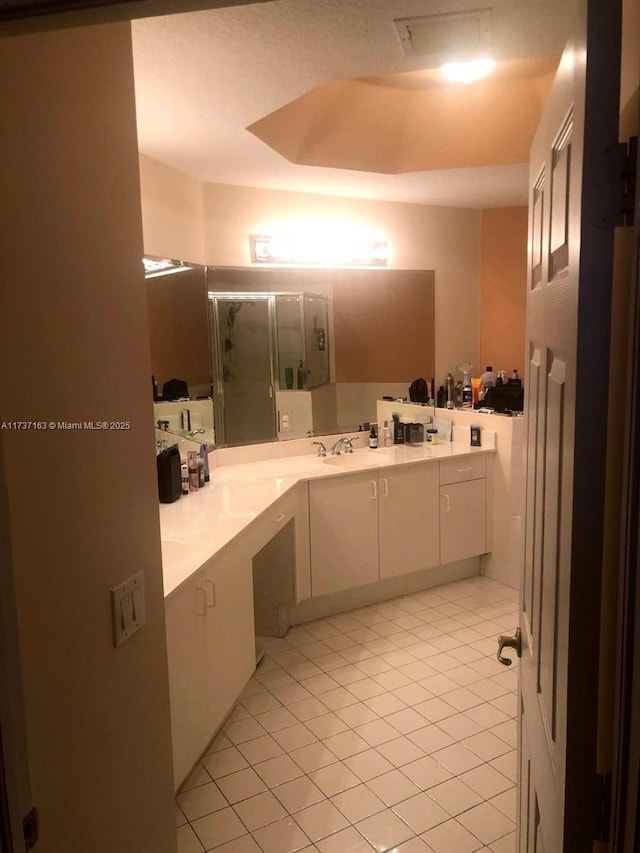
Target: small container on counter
point(192, 461)
point(476, 440)
point(432, 436)
point(373, 437)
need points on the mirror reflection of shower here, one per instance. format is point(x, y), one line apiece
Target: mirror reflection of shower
point(229, 350)
point(263, 344)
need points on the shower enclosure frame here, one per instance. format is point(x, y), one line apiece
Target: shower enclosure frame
point(213, 299)
point(216, 353)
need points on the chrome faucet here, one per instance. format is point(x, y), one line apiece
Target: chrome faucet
point(345, 442)
point(322, 450)
point(195, 432)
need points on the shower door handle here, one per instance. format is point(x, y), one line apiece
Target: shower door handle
point(271, 392)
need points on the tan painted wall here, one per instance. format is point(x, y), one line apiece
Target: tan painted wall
point(383, 325)
point(172, 212)
point(443, 239)
point(83, 512)
point(503, 288)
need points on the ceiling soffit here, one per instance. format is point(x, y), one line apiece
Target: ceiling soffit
point(413, 121)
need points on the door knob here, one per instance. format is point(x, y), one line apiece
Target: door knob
point(505, 641)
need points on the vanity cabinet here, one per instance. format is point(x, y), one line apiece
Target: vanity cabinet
point(408, 519)
point(463, 508)
point(343, 528)
point(211, 652)
point(370, 526)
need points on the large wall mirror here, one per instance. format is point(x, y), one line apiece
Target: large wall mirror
point(246, 355)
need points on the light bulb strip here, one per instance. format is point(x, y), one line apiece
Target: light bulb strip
point(318, 251)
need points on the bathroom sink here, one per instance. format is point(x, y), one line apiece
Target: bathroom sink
point(359, 459)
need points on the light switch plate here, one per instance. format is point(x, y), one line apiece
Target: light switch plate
point(127, 608)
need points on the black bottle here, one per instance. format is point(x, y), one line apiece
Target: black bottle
point(441, 399)
point(398, 431)
point(515, 379)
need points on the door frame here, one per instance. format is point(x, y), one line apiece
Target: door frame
point(625, 801)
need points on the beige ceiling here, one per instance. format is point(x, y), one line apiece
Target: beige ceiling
point(414, 121)
point(203, 78)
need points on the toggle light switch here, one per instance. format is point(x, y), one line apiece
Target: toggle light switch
point(127, 608)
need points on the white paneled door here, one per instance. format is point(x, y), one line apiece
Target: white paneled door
point(568, 311)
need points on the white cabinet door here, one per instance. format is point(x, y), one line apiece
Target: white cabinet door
point(229, 632)
point(408, 514)
point(463, 520)
point(185, 621)
point(343, 514)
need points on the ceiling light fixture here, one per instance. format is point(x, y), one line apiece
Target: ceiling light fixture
point(319, 250)
point(155, 267)
point(467, 72)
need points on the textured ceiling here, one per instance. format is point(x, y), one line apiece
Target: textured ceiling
point(203, 78)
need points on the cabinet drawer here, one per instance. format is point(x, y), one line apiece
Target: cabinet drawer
point(462, 468)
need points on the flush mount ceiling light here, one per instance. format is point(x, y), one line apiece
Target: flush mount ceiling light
point(318, 250)
point(155, 267)
point(467, 72)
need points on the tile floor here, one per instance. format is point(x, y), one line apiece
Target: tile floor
point(388, 728)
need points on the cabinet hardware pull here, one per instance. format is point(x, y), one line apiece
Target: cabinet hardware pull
point(211, 587)
point(279, 518)
point(374, 490)
point(446, 503)
point(201, 601)
point(463, 470)
point(385, 487)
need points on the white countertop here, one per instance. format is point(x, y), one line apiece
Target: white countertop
point(197, 526)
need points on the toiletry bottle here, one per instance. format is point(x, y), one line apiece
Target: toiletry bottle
point(499, 380)
point(200, 471)
point(387, 435)
point(515, 379)
point(373, 437)
point(154, 385)
point(451, 400)
point(440, 397)
point(192, 461)
point(458, 394)
point(467, 392)
point(300, 375)
point(488, 378)
point(184, 472)
point(205, 459)
point(398, 430)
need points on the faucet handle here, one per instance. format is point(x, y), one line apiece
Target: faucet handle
point(322, 450)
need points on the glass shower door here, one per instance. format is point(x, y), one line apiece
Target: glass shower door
point(244, 401)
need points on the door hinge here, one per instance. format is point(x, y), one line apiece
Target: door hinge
point(602, 807)
point(626, 169)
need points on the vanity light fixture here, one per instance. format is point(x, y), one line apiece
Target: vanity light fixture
point(319, 251)
point(467, 72)
point(154, 267)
